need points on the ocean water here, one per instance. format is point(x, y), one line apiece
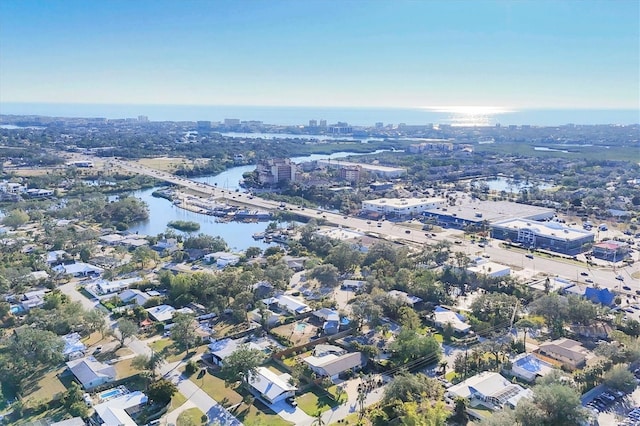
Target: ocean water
point(353, 116)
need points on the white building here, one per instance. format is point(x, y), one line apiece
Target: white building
point(118, 411)
point(490, 269)
point(108, 287)
point(78, 269)
point(490, 388)
point(402, 206)
point(331, 361)
point(91, 373)
point(372, 169)
point(443, 316)
point(271, 387)
point(288, 303)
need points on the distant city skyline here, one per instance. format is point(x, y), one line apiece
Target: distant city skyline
point(463, 57)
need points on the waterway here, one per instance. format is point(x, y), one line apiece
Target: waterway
point(503, 184)
point(238, 235)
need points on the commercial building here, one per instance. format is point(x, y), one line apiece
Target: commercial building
point(474, 212)
point(373, 169)
point(550, 236)
point(402, 207)
point(275, 170)
point(351, 173)
point(610, 250)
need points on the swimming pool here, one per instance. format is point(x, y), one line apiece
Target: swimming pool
point(16, 309)
point(300, 327)
point(531, 364)
point(113, 393)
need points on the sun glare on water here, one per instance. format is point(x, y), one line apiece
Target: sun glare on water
point(470, 115)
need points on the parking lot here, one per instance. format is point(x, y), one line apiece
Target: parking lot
point(617, 408)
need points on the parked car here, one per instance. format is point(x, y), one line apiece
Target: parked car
point(584, 274)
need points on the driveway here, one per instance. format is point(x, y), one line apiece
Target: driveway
point(291, 414)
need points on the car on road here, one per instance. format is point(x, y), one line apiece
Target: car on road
point(626, 287)
point(407, 231)
point(97, 350)
point(584, 274)
point(530, 256)
point(481, 245)
point(588, 280)
point(368, 222)
point(458, 241)
point(619, 278)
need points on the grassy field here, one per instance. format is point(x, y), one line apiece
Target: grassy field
point(315, 400)
point(172, 352)
point(259, 415)
point(166, 164)
point(46, 388)
point(250, 415)
point(176, 401)
point(192, 416)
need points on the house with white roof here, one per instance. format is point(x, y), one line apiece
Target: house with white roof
point(73, 347)
point(111, 239)
point(91, 373)
point(288, 303)
point(134, 296)
point(221, 349)
point(330, 361)
point(443, 316)
point(118, 411)
point(79, 269)
point(271, 387)
point(161, 313)
point(108, 287)
point(404, 297)
point(222, 258)
point(489, 388)
point(55, 256)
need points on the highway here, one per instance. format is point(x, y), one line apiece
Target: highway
point(604, 275)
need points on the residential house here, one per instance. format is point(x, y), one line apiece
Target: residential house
point(222, 259)
point(79, 269)
point(491, 388)
point(270, 386)
point(221, 349)
point(443, 316)
point(134, 296)
point(329, 319)
point(33, 299)
point(118, 411)
point(404, 297)
point(331, 361)
point(108, 287)
point(166, 246)
point(73, 347)
point(353, 285)
point(111, 239)
point(54, 257)
point(91, 373)
point(161, 313)
point(571, 353)
point(288, 303)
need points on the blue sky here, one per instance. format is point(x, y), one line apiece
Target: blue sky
point(511, 54)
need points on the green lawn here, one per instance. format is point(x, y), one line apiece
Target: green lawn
point(172, 352)
point(259, 415)
point(217, 389)
point(192, 416)
point(47, 387)
point(176, 401)
point(124, 369)
point(315, 400)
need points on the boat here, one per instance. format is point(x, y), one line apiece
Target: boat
point(258, 236)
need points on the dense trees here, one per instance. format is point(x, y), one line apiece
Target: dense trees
point(620, 378)
point(410, 346)
point(126, 329)
point(184, 330)
point(497, 309)
point(412, 387)
point(241, 364)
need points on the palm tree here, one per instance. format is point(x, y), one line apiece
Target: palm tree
point(526, 325)
point(443, 366)
point(318, 419)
